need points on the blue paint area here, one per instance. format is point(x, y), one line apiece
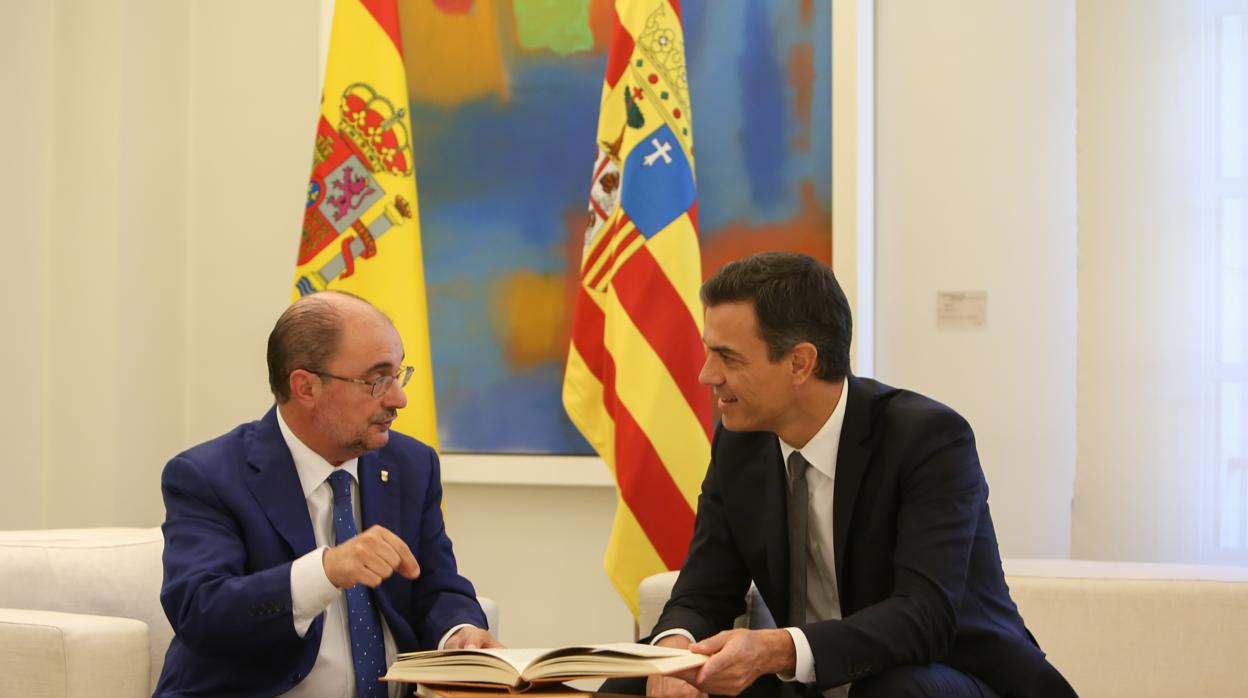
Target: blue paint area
point(763, 109)
point(519, 415)
point(715, 89)
point(505, 161)
point(495, 184)
point(499, 181)
point(692, 16)
point(821, 108)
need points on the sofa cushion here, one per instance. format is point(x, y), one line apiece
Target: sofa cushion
point(71, 655)
point(1112, 628)
point(102, 571)
point(1138, 629)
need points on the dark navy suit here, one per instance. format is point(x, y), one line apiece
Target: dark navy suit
point(917, 567)
point(236, 519)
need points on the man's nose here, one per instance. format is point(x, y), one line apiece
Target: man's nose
point(395, 397)
point(710, 373)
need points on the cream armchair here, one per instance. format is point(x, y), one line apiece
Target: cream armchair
point(80, 613)
point(1111, 628)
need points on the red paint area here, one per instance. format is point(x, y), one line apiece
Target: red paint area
point(601, 21)
point(807, 232)
point(454, 7)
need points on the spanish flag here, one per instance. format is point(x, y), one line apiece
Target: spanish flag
point(360, 230)
point(631, 385)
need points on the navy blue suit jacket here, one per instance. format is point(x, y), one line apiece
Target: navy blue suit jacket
point(917, 567)
point(236, 519)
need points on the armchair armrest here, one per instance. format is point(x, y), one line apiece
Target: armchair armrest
point(652, 595)
point(655, 590)
point(68, 655)
point(491, 614)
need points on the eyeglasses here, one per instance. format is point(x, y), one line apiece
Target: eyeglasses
point(381, 384)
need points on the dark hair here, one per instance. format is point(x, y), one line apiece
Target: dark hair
point(305, 336)
point(796, 299)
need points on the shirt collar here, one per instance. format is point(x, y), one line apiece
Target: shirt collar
point(820, 451)
point(312, 468)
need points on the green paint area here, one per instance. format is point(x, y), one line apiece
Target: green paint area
point(561, 26)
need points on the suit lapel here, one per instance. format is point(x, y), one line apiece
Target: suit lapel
point(763, 490)
point(274, 483)
point(379, 501)
point(852, 457)
point(379, 498)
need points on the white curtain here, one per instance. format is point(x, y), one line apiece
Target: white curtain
point(1160, 433)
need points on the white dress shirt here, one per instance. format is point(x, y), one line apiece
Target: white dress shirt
point(822, 600)
point(312, 593)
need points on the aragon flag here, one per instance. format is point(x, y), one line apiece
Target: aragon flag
point(360, 229)
point(631, 385)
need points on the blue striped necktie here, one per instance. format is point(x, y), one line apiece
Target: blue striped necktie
point(368, 650)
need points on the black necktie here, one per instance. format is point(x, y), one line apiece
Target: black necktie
point(799, 511)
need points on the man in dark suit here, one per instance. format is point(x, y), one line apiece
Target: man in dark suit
point(268, 586)
point(859, 510)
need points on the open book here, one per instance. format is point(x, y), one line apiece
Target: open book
point(518, 669)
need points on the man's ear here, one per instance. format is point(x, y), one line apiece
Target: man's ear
point(804, 358)
point(304, 386)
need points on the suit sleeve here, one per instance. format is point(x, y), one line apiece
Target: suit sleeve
point(710, 591)
point(215, 606)
point(940, 496)
point(443, 598)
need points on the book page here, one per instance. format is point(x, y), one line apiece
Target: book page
point(614, 659)
point(626, 649)
point(517, 658)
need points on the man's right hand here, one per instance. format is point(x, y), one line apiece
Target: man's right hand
point(369, 559)
point(673, 686)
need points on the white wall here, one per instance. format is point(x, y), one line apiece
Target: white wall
point(256, 91)
point(537, 551)
point(25, 194)
point(975, 190)
point(153, 145)
point(97, 169)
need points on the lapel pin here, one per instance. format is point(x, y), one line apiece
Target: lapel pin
point(385, 476)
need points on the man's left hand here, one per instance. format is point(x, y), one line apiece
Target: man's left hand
point(739, 657)
point(470, 638)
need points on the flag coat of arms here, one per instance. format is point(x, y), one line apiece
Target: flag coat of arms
point(631, 385)
point(360, 229)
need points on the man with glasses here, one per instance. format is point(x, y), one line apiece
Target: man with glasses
point(303, 550)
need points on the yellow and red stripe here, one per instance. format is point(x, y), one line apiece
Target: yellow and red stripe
point(631, 385)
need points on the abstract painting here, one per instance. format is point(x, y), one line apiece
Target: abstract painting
point(504, 97)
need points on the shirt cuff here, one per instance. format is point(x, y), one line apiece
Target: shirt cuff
point(804, 667)
point(674, 631)
point(452, 631)
point(311, 592)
